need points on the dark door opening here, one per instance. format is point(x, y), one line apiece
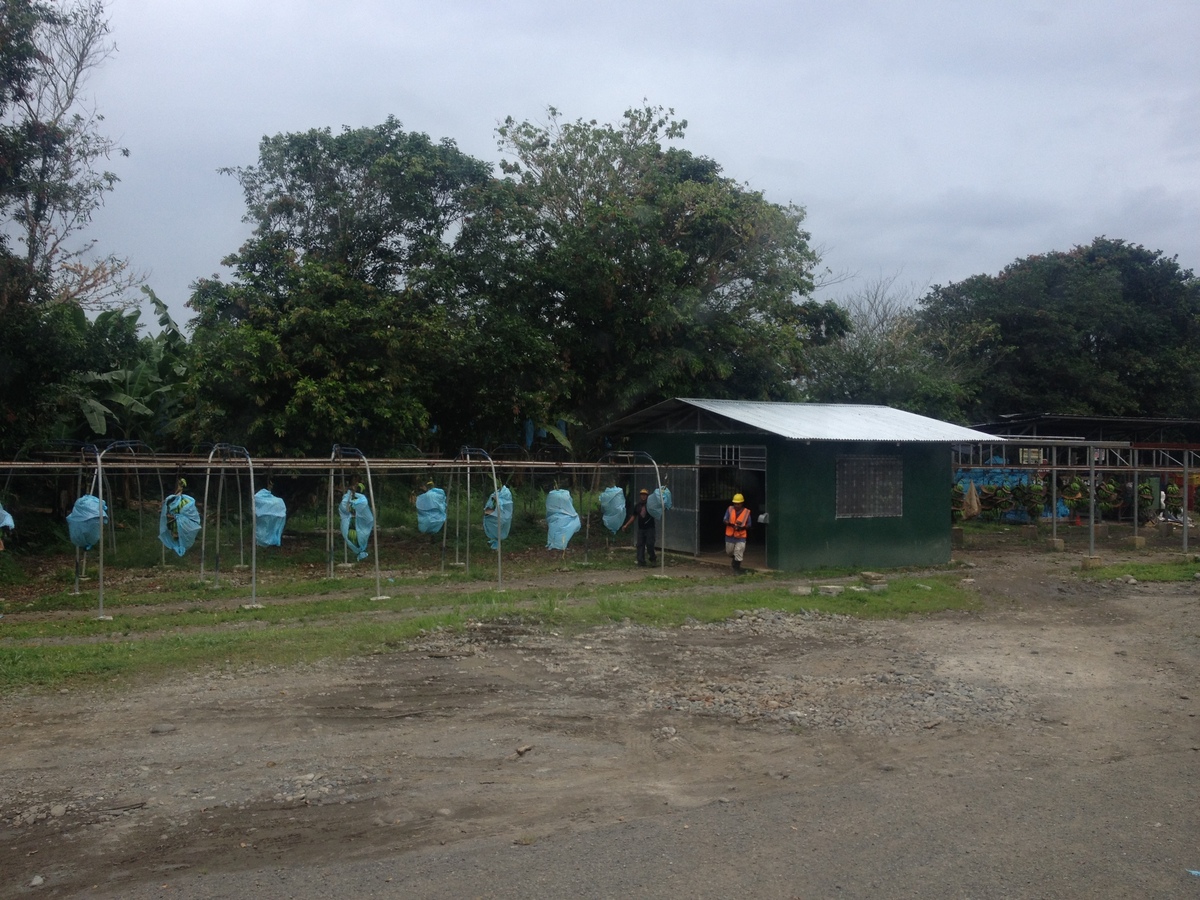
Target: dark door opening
point(717, 487)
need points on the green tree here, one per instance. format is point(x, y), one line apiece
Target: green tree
point(64, 181)
point(395, 291)
point(379, 205)
point(50, 185)
point(1105, 329)
point(32, 353)
point(20, 138)
point(653, 275)
point(333, 360)
point(367, 308)
point(893, 358)
point(341, 318)
point(136, 387)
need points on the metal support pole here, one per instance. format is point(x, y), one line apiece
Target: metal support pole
point(329, 511)
point(1054, 495)
point(467, 453)
point(1136, 497)
point(1091, 502)
point(253, 530)
point(338, 453)
point(225, 450)
point(100, 566)
point(1186, 454)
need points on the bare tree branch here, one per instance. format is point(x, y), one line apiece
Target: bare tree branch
point(67, 181)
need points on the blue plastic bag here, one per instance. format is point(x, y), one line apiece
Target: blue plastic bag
point(83, 522)
point(431, 511)
point(612, 508)
point(271, 515)
point(179, 522)
point(497, 531)
point(6, 519)
point(561, 519)
point(659, 500)
point(357, 522)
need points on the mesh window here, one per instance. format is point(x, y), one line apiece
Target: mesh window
point(737, 456)
point(870, 487)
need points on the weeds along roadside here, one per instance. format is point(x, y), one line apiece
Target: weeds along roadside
point(181, 632)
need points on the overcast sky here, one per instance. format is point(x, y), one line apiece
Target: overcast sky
point(927, 140)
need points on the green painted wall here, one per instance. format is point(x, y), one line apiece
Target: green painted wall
point(804, 532)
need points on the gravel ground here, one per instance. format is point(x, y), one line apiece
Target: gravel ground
point(1043, 745)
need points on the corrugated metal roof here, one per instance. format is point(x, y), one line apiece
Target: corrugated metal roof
point(840, 422)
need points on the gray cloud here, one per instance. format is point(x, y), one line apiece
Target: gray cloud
point(938, 139)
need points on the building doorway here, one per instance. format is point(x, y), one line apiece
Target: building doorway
point(725, 470)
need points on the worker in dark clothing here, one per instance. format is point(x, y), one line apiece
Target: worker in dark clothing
point(645, 529)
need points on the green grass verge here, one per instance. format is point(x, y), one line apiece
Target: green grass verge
point(55, 665)
point(82, 649)
point(1183, 570)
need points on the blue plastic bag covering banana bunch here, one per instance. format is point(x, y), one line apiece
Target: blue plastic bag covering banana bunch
point(271, 515)
point(561, 519)
point(6, 521)
point(357, 521)
point(179, 522)
point(659, 499)
point(497, 516)
point(83, 522)
point(431, 510)
point(612, 508)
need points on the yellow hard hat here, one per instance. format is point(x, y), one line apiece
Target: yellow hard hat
point(738, 498)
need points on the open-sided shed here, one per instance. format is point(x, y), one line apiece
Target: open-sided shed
point(839, 484)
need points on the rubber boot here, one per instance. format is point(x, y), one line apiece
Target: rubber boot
point(737, 567)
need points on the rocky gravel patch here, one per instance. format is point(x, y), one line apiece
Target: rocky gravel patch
point(902, 691)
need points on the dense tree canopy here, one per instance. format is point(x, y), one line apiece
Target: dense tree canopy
point(395, 290)
point(51, 182)
point(20, 138)
point(335, 328)
point(892, 358)
point(652, 273)
point(1107, 329)
point(25, 402)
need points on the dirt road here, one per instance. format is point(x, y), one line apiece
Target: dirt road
point(1045, 745)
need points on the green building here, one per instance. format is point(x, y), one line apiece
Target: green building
point(828, 484)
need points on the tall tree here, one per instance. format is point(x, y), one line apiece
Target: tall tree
point(20, 138)
point(1110, 328)
point(340, 321)
point(378, 204)
point(31, 349)
point(50, 185)
point(395, 290)
point(651, 273)
point(65, 181)
point(891, 357)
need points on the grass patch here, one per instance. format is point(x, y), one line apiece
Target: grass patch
point(665, 604)
point(54, 665)
point(176, 626)
point(1183, 570)
point(10, 571)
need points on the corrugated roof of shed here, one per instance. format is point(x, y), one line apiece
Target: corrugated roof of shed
point(811, 421)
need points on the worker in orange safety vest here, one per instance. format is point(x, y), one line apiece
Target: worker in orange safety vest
point(737, 527)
